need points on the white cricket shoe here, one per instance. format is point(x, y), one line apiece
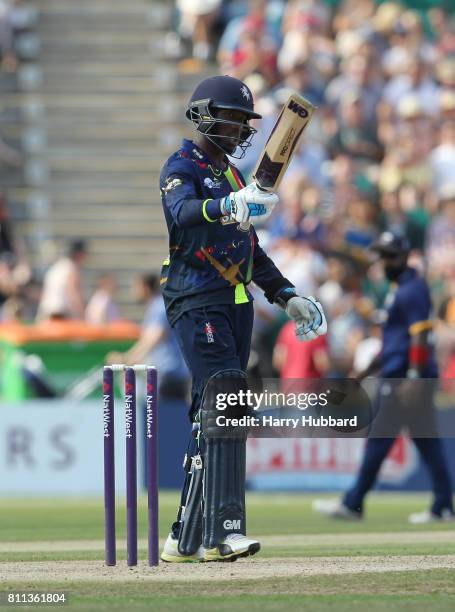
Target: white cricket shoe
point(232, 547)
point(171, 553)
point(334, 508)
point(422, 518)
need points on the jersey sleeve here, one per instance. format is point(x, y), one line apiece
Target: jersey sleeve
point(417, 306)
point(179, 193)
point(265, 273)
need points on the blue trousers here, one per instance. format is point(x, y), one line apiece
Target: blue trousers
point(420, 420)
point(214, 338)
point(211, 339)
point(376, 451)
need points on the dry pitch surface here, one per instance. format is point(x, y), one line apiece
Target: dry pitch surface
point(253, 568)
point(319, 565)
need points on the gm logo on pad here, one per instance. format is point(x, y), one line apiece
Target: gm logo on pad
point(229, 525)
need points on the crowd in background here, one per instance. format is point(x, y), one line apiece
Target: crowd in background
point(17, 288)
point(379, 154)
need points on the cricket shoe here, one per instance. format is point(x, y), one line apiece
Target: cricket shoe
point(232, 547)
point(171, 552)
point(422, 518)
point(334, 508)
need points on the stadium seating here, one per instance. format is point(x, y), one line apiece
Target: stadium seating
point(106, 126)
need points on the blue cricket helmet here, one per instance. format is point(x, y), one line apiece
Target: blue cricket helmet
point(224, 92)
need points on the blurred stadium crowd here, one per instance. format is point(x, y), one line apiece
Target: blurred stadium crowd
point(17, 288)
point(380, 154)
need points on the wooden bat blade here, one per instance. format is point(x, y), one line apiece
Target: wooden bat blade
point(281, 144)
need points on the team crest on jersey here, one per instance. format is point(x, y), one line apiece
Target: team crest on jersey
point(171, 183)
point(211, 184)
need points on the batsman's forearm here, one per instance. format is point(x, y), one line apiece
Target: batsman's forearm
point(192, 212)
point(267, 276)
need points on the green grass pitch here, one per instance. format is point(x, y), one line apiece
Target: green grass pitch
point(307, 562)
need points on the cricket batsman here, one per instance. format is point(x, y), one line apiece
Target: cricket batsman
point(214, 254)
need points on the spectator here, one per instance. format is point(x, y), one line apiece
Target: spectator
point(157, 344)
point(332, 290)
point(441, 238)
point(370, 345)
point(6, 237)
point(297, 77)
point(15, 272)
point(196, 21)
point(62, 296)
point(355, 136)
point(264, 15)
point(301, 264)
point(102, 308)
point(442, 158)
point(360, 228)
point(415, 80)
point(8, 286)
point(255, 51)
point(307, 55)
point(442, 31)
point(405, 161)
point(297, 217)
point(356, 74)
point(416, 215)
point(300, 360)
point(8, 58)
point(265, 331)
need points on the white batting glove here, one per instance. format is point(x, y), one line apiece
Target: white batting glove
point(249, 204)
point(309, 317)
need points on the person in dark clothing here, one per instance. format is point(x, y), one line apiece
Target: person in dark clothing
point(214, 253)
point(407, 367)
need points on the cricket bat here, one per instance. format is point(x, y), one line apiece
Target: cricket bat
point(293, 119)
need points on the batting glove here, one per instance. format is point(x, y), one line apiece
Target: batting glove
point(309, 317)
point(249, 204)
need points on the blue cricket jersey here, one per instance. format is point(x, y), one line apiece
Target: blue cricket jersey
point(410, 303)
point(211, 259)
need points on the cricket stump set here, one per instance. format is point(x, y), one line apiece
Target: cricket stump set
point(151, 448)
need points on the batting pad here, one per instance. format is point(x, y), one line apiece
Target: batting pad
point(224, 462)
